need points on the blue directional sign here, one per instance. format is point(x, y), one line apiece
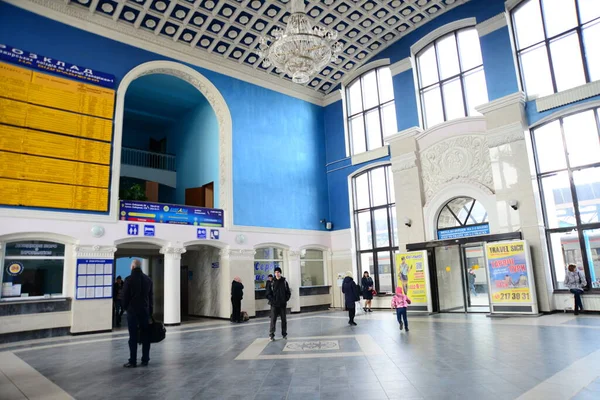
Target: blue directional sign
point(133, 229)
point(148, 230)
point(214, 234)
point(201, 233)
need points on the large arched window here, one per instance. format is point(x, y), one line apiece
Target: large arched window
point(462, 217)
point(567, 158)
point(375, 225)
point(266, 260)
point(312, 267)
point(370, 109)
point(451, 77)
point(555, 44)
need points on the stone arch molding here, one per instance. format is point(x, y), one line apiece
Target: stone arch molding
point(219, 106)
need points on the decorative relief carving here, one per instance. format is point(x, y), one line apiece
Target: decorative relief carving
point(500, 138)
point(464, 158)
point(404, 162)
point(95, 251)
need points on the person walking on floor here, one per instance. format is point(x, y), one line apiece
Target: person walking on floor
point(117, 300)
point(367, 290)
point(400, 302)
point(351, 296)
point(278, 294)
point(575, 282)
point(138, 298)
point(237, 294)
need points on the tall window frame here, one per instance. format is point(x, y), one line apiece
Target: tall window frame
point(566, 198)
point(314, 257)
point(470, 75)
point(540, 45)
point(375, 253)
point(380, 108)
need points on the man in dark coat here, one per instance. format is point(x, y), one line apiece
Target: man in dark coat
point(278, 294)
point(137, 300)
point(237, 293)
point(268, 284)
point(351, 296)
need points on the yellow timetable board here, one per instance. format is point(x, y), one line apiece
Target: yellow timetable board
point(48, 119)
point(43, 169)
point(41, 194)
point(28, 141)
point(50, 91)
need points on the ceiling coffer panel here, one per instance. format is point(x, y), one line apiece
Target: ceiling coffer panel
point(232, 29)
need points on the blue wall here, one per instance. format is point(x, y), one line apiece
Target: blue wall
point(278, 147)
point(196, 141)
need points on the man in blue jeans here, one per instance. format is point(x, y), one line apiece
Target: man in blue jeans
point(137, 300)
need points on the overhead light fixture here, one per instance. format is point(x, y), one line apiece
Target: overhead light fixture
point(301, 50)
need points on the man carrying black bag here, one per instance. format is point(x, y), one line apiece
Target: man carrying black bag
point(137, 300)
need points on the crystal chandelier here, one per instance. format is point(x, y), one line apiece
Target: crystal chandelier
point(301, 50)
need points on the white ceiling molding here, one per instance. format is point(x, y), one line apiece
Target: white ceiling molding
point(566, 111)
point(510, 4)
point(367, 67)
point(223, 35)
point(441, 31)
point(401, 66)
point(517, 97)
point(332, 97)
point(491, 25)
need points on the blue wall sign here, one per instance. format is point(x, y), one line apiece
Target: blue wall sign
point(214, 234)
point(94, 279)
point(54, 66)
point(149, 230)
point(133, 229)
point(215, 265)
point(201, 233)
point(170, 214)
point(463, 231)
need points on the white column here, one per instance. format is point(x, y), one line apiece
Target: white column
point(172, 284)
point(294, 278)
point(145, 266)
point(408, 187)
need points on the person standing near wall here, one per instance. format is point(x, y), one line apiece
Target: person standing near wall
point(367, 290)
point(351, 296)
point(117, 297)
point(268, 284)
point(138, 298)
point(278, 294)
point(237, 294)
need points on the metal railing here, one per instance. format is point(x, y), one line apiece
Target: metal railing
point(147, 159)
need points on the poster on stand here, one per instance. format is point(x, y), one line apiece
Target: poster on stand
point(510, 273)
point(412, 274)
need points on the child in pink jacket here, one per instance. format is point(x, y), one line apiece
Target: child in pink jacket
point(400, 302)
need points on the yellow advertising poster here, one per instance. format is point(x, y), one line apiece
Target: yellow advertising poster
point(509, 275)
point(411, 276)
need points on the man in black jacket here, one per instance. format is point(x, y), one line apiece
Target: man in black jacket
point(137, 300)
point(278, 294)
point(237, 293)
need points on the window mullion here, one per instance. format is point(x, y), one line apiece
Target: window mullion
point(547, 44)
point(579, 31)
point(437, 60)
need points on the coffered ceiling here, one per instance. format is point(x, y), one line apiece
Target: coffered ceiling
point(229, 31)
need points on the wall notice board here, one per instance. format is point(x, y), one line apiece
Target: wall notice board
point(55, 133)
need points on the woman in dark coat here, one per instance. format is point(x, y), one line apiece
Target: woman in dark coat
point(367, 290)
point(351, 296)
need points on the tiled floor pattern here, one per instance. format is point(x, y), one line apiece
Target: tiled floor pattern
point(443, 357)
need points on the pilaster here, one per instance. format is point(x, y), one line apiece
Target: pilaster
point(172, 284)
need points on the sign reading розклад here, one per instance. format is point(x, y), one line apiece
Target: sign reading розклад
point(162, 213)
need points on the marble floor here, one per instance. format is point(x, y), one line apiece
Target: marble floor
point(449, 356)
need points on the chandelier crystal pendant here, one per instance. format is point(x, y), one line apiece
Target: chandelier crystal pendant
point(301, 50)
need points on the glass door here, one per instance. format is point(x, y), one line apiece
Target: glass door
point(449, 275)
point(477, 287)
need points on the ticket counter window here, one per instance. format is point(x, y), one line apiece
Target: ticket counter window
point(33, 269)
point(312, 266)
point(266, 260)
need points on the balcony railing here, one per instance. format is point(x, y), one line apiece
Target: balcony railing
point(147, 159)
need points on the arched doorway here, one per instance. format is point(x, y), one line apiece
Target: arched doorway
point(223, 186)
